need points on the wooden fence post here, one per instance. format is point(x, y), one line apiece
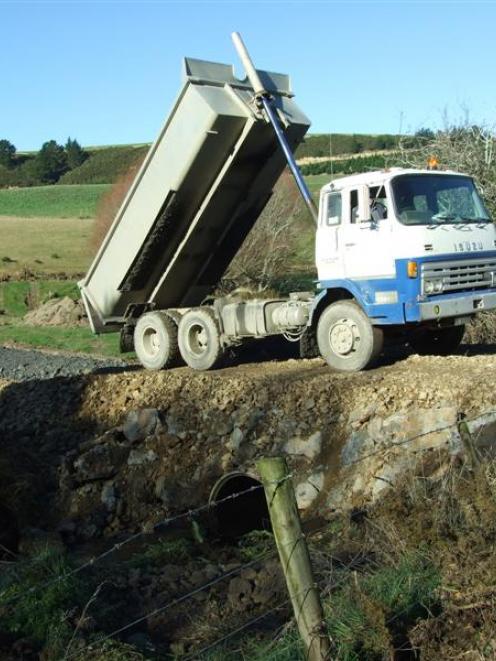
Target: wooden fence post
point(294, 556)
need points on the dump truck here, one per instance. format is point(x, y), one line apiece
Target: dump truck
point(399, 253)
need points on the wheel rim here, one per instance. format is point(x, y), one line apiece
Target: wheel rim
point(151, 342)
point(344, 337)
point(197, 338)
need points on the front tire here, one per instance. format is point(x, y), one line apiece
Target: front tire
point(155, 341)
point(199, 339)
point(437, 341)
point(346, 338)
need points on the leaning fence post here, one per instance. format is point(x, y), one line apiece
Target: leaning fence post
point(294, 556)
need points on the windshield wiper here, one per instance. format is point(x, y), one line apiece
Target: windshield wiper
point(441, 217)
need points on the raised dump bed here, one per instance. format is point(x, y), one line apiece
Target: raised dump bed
point(200, 190)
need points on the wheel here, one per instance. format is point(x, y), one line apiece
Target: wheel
point(199, 339)
point(155, 340)
point(126, 339)
point(346, 338)
point(437, 341)
point(308, 344)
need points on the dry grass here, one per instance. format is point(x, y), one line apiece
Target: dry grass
point(49, 245)
point(482, 329)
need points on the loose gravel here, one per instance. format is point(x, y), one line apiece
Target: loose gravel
point(29, 364)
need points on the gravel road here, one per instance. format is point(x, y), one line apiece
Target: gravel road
point(27, 364)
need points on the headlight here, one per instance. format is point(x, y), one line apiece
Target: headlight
point(433, 286)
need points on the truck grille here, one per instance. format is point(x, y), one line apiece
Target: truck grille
point(459, 275)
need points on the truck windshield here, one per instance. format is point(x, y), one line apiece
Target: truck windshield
point(429, 199)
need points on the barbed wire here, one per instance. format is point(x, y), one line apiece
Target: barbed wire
point(386, 448)
point(329, 588)
point(175, 602)
point(381, 450)
point(206, 507)
point(118, 545)
point(212, 504)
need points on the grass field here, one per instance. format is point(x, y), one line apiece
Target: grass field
point(50, 245)
point(78, 339)
point(57, 242)
point(47, 245)
point(76, 201)
point(315, 183)
point(52, 201)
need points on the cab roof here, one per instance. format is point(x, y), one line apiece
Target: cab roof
point(379, 177)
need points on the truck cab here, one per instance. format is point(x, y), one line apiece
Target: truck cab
point(409, 246)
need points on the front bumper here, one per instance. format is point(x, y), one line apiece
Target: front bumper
point(457, 305)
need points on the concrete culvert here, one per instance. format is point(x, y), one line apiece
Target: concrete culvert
point(237, 516)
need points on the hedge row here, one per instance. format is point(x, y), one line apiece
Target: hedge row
point(352, 165)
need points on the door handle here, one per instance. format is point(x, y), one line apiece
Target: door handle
point(349, 245)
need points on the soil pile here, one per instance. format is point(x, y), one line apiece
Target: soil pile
point(58, 312)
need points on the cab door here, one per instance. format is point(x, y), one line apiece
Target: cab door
point(367, 242)
point(328, 252)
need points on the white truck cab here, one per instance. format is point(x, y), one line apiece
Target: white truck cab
point(408, 245)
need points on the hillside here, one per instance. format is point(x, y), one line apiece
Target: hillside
point(103, 165)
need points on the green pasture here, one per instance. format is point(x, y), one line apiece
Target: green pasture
point(45, 245)
point(60, 201)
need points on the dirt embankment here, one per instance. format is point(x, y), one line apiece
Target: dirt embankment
point(105, 455)
point(212, 423)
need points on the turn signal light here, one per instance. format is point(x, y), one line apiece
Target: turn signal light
point(432, 163)
point(412, 269)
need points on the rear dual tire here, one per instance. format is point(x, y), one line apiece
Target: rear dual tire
point(199, 339)
point(155, 341)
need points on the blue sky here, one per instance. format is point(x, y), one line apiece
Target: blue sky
point(106, 72)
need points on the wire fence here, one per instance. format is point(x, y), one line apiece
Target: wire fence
point(263, 557)
point(191, 514)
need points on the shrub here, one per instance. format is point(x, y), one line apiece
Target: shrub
point(269, 246)
point(110, 203)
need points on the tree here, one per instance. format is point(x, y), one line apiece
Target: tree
point(76, 155)
point(425, 134)
point(270, 245)
point(50, 162)
point(7, 153)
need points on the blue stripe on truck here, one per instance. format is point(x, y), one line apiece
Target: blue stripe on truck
point(408, 289)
